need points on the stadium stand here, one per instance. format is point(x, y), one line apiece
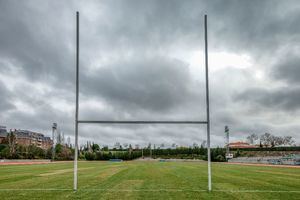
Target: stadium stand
point(293, 159)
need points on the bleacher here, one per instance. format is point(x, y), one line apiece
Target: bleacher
point(276, 160)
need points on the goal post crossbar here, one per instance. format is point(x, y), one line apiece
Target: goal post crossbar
point(138, 122)
point(77, 121)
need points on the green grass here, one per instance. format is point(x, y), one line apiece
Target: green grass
point(148, 180)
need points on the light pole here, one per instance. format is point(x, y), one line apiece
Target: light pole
point(54, 127)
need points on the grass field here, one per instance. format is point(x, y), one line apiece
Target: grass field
point(148, 180)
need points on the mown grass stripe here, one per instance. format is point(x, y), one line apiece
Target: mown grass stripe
point(153, 190)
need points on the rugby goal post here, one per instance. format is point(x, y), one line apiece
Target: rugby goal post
point(77, 121)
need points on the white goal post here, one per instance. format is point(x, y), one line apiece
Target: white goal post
point(77, 121)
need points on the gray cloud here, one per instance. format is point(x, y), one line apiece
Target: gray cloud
point(28, 35)
point(129, 68)
point(284, 98)
point(5, 104)
point(155, 84)
point(287, 69)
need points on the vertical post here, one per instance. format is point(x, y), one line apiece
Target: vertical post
point(154, 151)
point(52, 159)
point(227, 141)
point(77, 94)
point(207, 106)
point(54, 126)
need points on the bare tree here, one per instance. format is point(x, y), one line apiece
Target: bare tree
point(173, 145)
point(125, 145)
point(252, 138)
point(195, 145)
point(266, 139)
point(288, 140)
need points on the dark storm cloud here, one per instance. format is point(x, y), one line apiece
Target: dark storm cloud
point(151, 23)
point(288, 69)
point(127, 63)
point(41, 40)
point(259, 27)
point(33, 38)
point(248, 26)
point(41, 43)
point(5, 103)
point(154, 84)
point(284, 98)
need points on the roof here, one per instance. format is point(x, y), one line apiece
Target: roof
point(240, 144)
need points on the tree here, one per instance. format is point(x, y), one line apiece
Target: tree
point(269, 140)
point(117, 145)
point(237, 153)
point(125, 145)
point(288, 140)
point(195, 145)
point(4, 153)
point(95, 147)
point(105, 148)
point(11, 137)
point(252, 138)
point(266, 139)
point(35, 152)
point(203, 144)
point(130, 149)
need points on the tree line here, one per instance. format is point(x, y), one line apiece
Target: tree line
point(9, 149)
point(95, 153)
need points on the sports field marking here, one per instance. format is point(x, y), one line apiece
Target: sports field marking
point(157, 190)
point(37, 189)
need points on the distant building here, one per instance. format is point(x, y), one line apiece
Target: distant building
point(173, 146)
point(240, 145)
point(26, 138)
point(117, 145)
point(3, 133)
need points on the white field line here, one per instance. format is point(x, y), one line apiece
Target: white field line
point(156, 190)
point(259, 191)
point(34, 189)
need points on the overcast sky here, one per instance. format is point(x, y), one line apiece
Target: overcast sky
point(144, 60)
